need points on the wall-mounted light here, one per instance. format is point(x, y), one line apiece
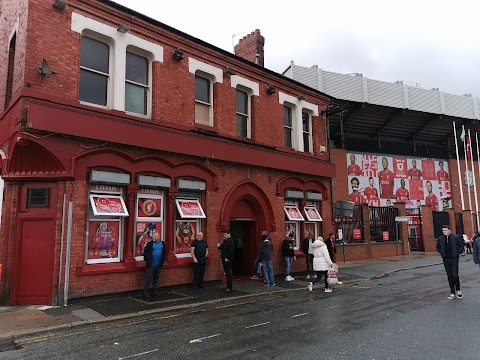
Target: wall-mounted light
point(270, 89)
point(123, 29)
point(302, 98)
point(177, 54)
point(60, 5)
point(230, 72)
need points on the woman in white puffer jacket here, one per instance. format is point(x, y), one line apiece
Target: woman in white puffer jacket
point(321, 262)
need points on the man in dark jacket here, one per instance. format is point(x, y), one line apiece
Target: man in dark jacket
point(476, 251)
point(265, 256)
point(227, 253)
point(154, 255)
point(450, 247)
point(288, 255)
point(308, 251)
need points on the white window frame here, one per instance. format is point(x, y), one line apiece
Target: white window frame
point(293, 204)
point(110, 218)
point(310, 142)
point(249, 110)
point(190, 196)
point(111, 45)
point(120, 43)
point(156, 220)
point(288, 128)
point(147, 55)
point(210, 95)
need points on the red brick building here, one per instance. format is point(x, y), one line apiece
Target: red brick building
point(113, 124)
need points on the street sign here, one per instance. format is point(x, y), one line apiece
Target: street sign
point(401, 218)
point(340, 234)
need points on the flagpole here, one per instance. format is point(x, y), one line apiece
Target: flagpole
point(474, 181)
point(466, 170)
point(458, 167)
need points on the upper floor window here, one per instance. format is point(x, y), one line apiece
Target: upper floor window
point(94, 71)
point(203, 100)
point(10, 71)
point(307, 132)
point(136, 83)
point(243, 118)
point(288, 126)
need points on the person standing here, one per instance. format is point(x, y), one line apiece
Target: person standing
point(321, 263)
point(199, 251)
point(476, 251)
point(227, 249)
point(256, 263)
point(308, 251)
point(154, 255)
point(265, 256)
point(288, 255)
point(450, 247)
point(332, 250)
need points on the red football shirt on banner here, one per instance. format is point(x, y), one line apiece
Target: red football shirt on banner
point(402, 194)
point(415, 173)
point(416, 189)
point(386, 184)
point(442, 175)
point(432, 200)
point(354, 169)
point(356, 197)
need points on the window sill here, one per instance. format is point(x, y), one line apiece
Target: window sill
point(212, 129)
point(131, 266)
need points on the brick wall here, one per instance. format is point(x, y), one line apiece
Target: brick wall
point(250, 47)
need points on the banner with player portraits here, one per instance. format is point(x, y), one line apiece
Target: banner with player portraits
point(379, 180)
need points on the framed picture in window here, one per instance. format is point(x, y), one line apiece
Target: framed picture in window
point(108, 205)
point(190, 209)
point(103, 240)
point(144, 231)
point(185, 232)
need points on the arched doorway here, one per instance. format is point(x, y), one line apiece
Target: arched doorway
point(247, 212)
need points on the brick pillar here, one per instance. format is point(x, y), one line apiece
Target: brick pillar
point(250, 47)
point(402, 228)
point(467, 222)
point(428, 233)
point(169, 226)
point(366, 230)
point(130, 229)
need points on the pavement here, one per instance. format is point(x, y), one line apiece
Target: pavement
point(23, 322)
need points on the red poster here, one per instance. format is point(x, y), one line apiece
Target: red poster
point(357, 233)
point(370, 166)
point(184, 234)
point(144, 233)
point(308, 227)
point(108, 205)
point(444, 189)
point(103, 239)
point(190, 209)
point(386, 235)
point(428, 170)
point(416, 189)
point(291, 228)
point(149, 207)
point(400, 167)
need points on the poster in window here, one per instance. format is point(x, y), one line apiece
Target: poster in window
point(144, 233)
point(103, 239)
point(149, 207)
point(190, 209)
point(293, 214)
point(184, 235)
point(108, 205)
point(291, 228)
point(310, 227)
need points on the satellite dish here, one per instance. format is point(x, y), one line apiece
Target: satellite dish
point(44, 69)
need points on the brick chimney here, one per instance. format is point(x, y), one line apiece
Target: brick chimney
point(250, 47)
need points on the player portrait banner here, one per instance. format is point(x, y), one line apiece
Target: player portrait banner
point(103, 238)
point(185, 233)
point(144, 231)
point(386, 179)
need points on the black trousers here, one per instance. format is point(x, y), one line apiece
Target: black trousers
point(151, 274)
point(319, 276)
point(227, 268)
point(198, 272)
point(451, 268)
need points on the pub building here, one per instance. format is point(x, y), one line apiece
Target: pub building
point(115, 126)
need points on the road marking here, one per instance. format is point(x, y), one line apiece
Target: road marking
point(293, 316)
point(206, 337)
point(358, 301)
point(362, 287)
point(139, 354)
point(331, 307)
point(252, 326)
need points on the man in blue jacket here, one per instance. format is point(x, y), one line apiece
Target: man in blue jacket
point(450, 247)
point(154, 255)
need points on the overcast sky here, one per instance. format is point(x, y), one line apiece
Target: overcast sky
point(432, 43)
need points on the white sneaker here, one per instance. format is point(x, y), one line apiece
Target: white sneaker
point(310, 286)
point(328, 290)
point(292, 278)
point(451, 296)
point(459, 294)
point(288, 278)
point(308, 276)
point(339, 283)
point(314, 276)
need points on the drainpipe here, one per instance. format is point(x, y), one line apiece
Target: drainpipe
point(61, 248)
point(67, 254)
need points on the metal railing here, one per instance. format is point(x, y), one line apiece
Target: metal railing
point(352, 228)
point(382, 223)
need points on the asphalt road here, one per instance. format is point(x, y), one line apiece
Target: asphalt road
point(403, 316)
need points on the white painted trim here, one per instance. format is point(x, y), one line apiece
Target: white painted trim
point(194, 65)
point(282, 98)
point(236, 80)
point(309, 106)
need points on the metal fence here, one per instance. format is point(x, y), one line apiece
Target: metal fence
point(352, 228)
point(414, 225)
point(382, 223)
